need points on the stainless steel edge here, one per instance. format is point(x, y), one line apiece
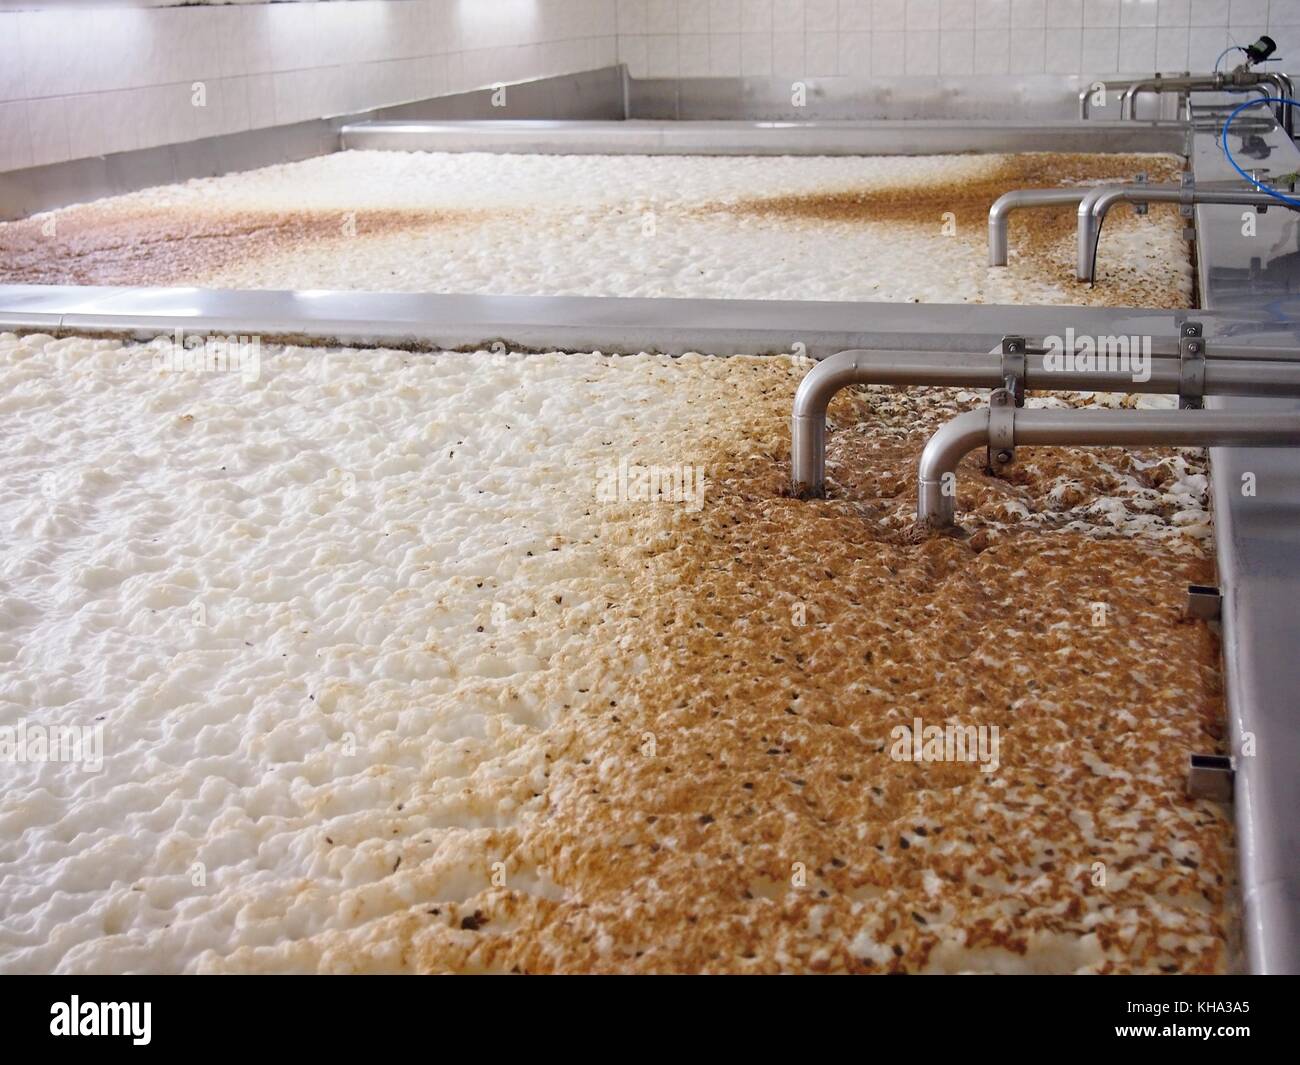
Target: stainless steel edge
point(577, 323)
point(715, 137)
point(1257, 532)
point(596, 94)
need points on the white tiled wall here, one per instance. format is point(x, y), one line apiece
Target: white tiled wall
point(820, 38)
point(78, 81)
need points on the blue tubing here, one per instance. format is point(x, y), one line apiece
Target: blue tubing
point(1290, 201)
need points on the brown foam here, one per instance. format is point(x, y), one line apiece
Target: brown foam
point(771, 740)
point(125, 242)
point(114, 244)
point(924, 203)
point(1042, 240)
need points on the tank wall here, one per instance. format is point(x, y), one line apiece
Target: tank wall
point(78, 81)
point(925, 38)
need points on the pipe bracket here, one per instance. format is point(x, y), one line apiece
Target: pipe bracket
point(1191, 376)
point(1187, 182)
point(1014, 350)
point(1204, 602)
point(1002, 429)
point(1210, 776)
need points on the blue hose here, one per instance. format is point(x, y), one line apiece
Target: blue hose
point(1230, 48)
point(1289, 200)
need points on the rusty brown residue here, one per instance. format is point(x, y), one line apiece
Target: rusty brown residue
point(1042, 239)
point(736, 808)
point(170, 236)
point(921, 203)
point(98, 244)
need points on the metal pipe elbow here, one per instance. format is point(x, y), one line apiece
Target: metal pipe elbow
point(852, 367)
point(808, 421)
point(1108, 195)
point(1092, 209)
point(1281, 88)
point(820, 384)
point(1086, 234)
point(1127, 101)
point(1000, 214)
point(1005, 204)
point(999, 219)
point(936, 504)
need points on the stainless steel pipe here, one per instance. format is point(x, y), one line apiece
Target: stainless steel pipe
point(1000, 213)
point(808, 422)
point(1222, 81)
point(1283, 89)
point(1229, 376)
point(937, 472)
point(1159, 84)
point(1085, 96)
point(1094, 207)
point(1133, 87)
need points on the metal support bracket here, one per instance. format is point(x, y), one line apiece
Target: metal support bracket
point(1191, 353)
point(1187, 182)
point(1204, 602)
point(1140, 208)
point(1013, 367)
point(1002, 429)
point(1210, 776)
point(1260, 175)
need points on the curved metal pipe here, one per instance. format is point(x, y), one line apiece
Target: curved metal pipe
point(808, 422)
point(936, 483)
point(1283, 88)
point(1286, 89)
point(1279, 112)
point(937, 472)
point(1214, 82)
point(1160, 84)
point(1088, 225)
point(1234, 376)
point(1094, 207)
point(1085, 96)
point(1000, 212)
point(1234, 81)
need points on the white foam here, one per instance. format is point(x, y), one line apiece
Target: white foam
point(332, 604)
point(327, 618)
point(634, 226)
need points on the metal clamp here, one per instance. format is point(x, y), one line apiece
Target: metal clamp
point(1210, 776)
point(1204, 602)
point(1187, 183)
point(1013, 367)
point(1002, 429)
point(1191, 370)
point(1140, 208)
point(1259, 175)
